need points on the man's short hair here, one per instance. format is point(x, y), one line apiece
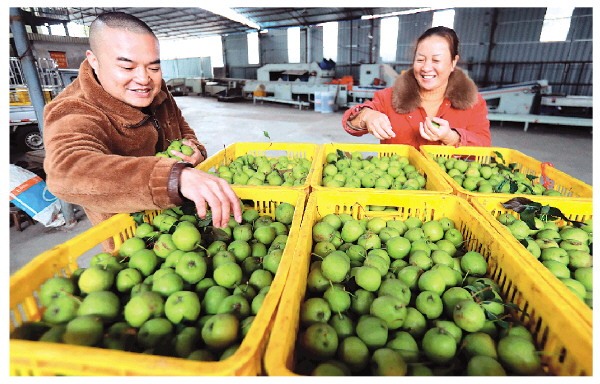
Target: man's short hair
point(118, 20)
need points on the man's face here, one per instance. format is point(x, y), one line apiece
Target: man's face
point(127, 65)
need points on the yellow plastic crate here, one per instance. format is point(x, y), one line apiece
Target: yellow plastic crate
point(435, 181)
point(29, 358)
point(566, 342)
point(573, 209)
point(568, 186)
point(290, 150)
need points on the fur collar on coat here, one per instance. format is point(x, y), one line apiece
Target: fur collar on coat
point(461, 91)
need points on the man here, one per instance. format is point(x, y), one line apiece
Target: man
point(102, 131)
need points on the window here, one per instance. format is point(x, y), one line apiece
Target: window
point(443, 18)
point(75, 30)
point(330, 40)
point(199, 47)
point(293, 39)
point(557, 22)
point(388, 39)
point(253, 48)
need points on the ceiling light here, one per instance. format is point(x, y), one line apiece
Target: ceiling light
point(232, 15)
point(399, 13)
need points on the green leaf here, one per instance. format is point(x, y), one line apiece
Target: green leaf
point(531, 177)
point(519, 204)
point(499, 186)
point(138, 217)
point(514, 186)
point(499, 155)
point(267, 135)
point(341, 154)
point(206, 221)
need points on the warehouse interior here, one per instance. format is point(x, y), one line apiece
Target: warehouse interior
point(539, 93)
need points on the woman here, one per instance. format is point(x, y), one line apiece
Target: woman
point(433, 103)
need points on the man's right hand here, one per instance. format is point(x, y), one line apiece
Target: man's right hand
point(203, 188)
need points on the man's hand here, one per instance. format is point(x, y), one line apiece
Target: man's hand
point(203, 188)
point(194, 158)
point(378, 124)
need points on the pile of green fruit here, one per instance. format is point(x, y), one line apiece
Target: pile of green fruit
point(351, 170)
point(566, 251)
point(493, 177)
point(178, 288)
point(254, 170)
point(178, 146)
point(404, 297)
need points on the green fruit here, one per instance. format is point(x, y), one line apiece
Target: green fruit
point(95, 279)
point(320, 341)
point(398, 247)
point(433, 230)
point(221, 331)
point(164, 245)
point(186, 236)
point(144, 260)
point(322, 231)
point(406, 345)
point(453, 296)
point(584, 276)
point(154, 332)
point(192, 267)
point(131, 245)
point(55, 287)
point(182, 306)
point(354, 352)
point(429, 304)
point(519, 356)
point(432, 280)
point(438, 346)
point(361, 301)
point(372, 330)
point(469, 315)
point(388, 362)
point(368, 278)
point(390, 309)
point(335, 266)
point(83, 330)
point(415, 323)
point(314, 310)
point(337, 298)
point(228, 275)
point(351, 231)
point(473, 263)
point(61, 310)
point(480, 365)
point(479, 344)
point(104, 304)
point(343, 325)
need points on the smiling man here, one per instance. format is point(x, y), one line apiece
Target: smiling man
point(434, 102)
point(102, 132)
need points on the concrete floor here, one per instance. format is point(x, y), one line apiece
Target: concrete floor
point(219, 124)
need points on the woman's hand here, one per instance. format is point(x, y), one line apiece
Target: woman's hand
point(436, 129)
point(194, 158)
point(377, 123)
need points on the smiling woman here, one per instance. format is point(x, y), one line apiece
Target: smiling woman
point(434, 102)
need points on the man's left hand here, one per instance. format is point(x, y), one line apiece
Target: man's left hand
point(195, 158)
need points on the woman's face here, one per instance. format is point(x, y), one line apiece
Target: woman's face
point(433, 63)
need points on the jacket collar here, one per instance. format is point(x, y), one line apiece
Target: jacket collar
point(124, 113)
point(461, 91)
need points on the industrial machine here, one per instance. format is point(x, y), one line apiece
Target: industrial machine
point(373, 77)
point(295, 84)
point(533, 102)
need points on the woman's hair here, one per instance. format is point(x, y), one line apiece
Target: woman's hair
point(443, 32)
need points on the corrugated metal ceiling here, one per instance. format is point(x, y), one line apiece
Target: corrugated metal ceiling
point(197, 22)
